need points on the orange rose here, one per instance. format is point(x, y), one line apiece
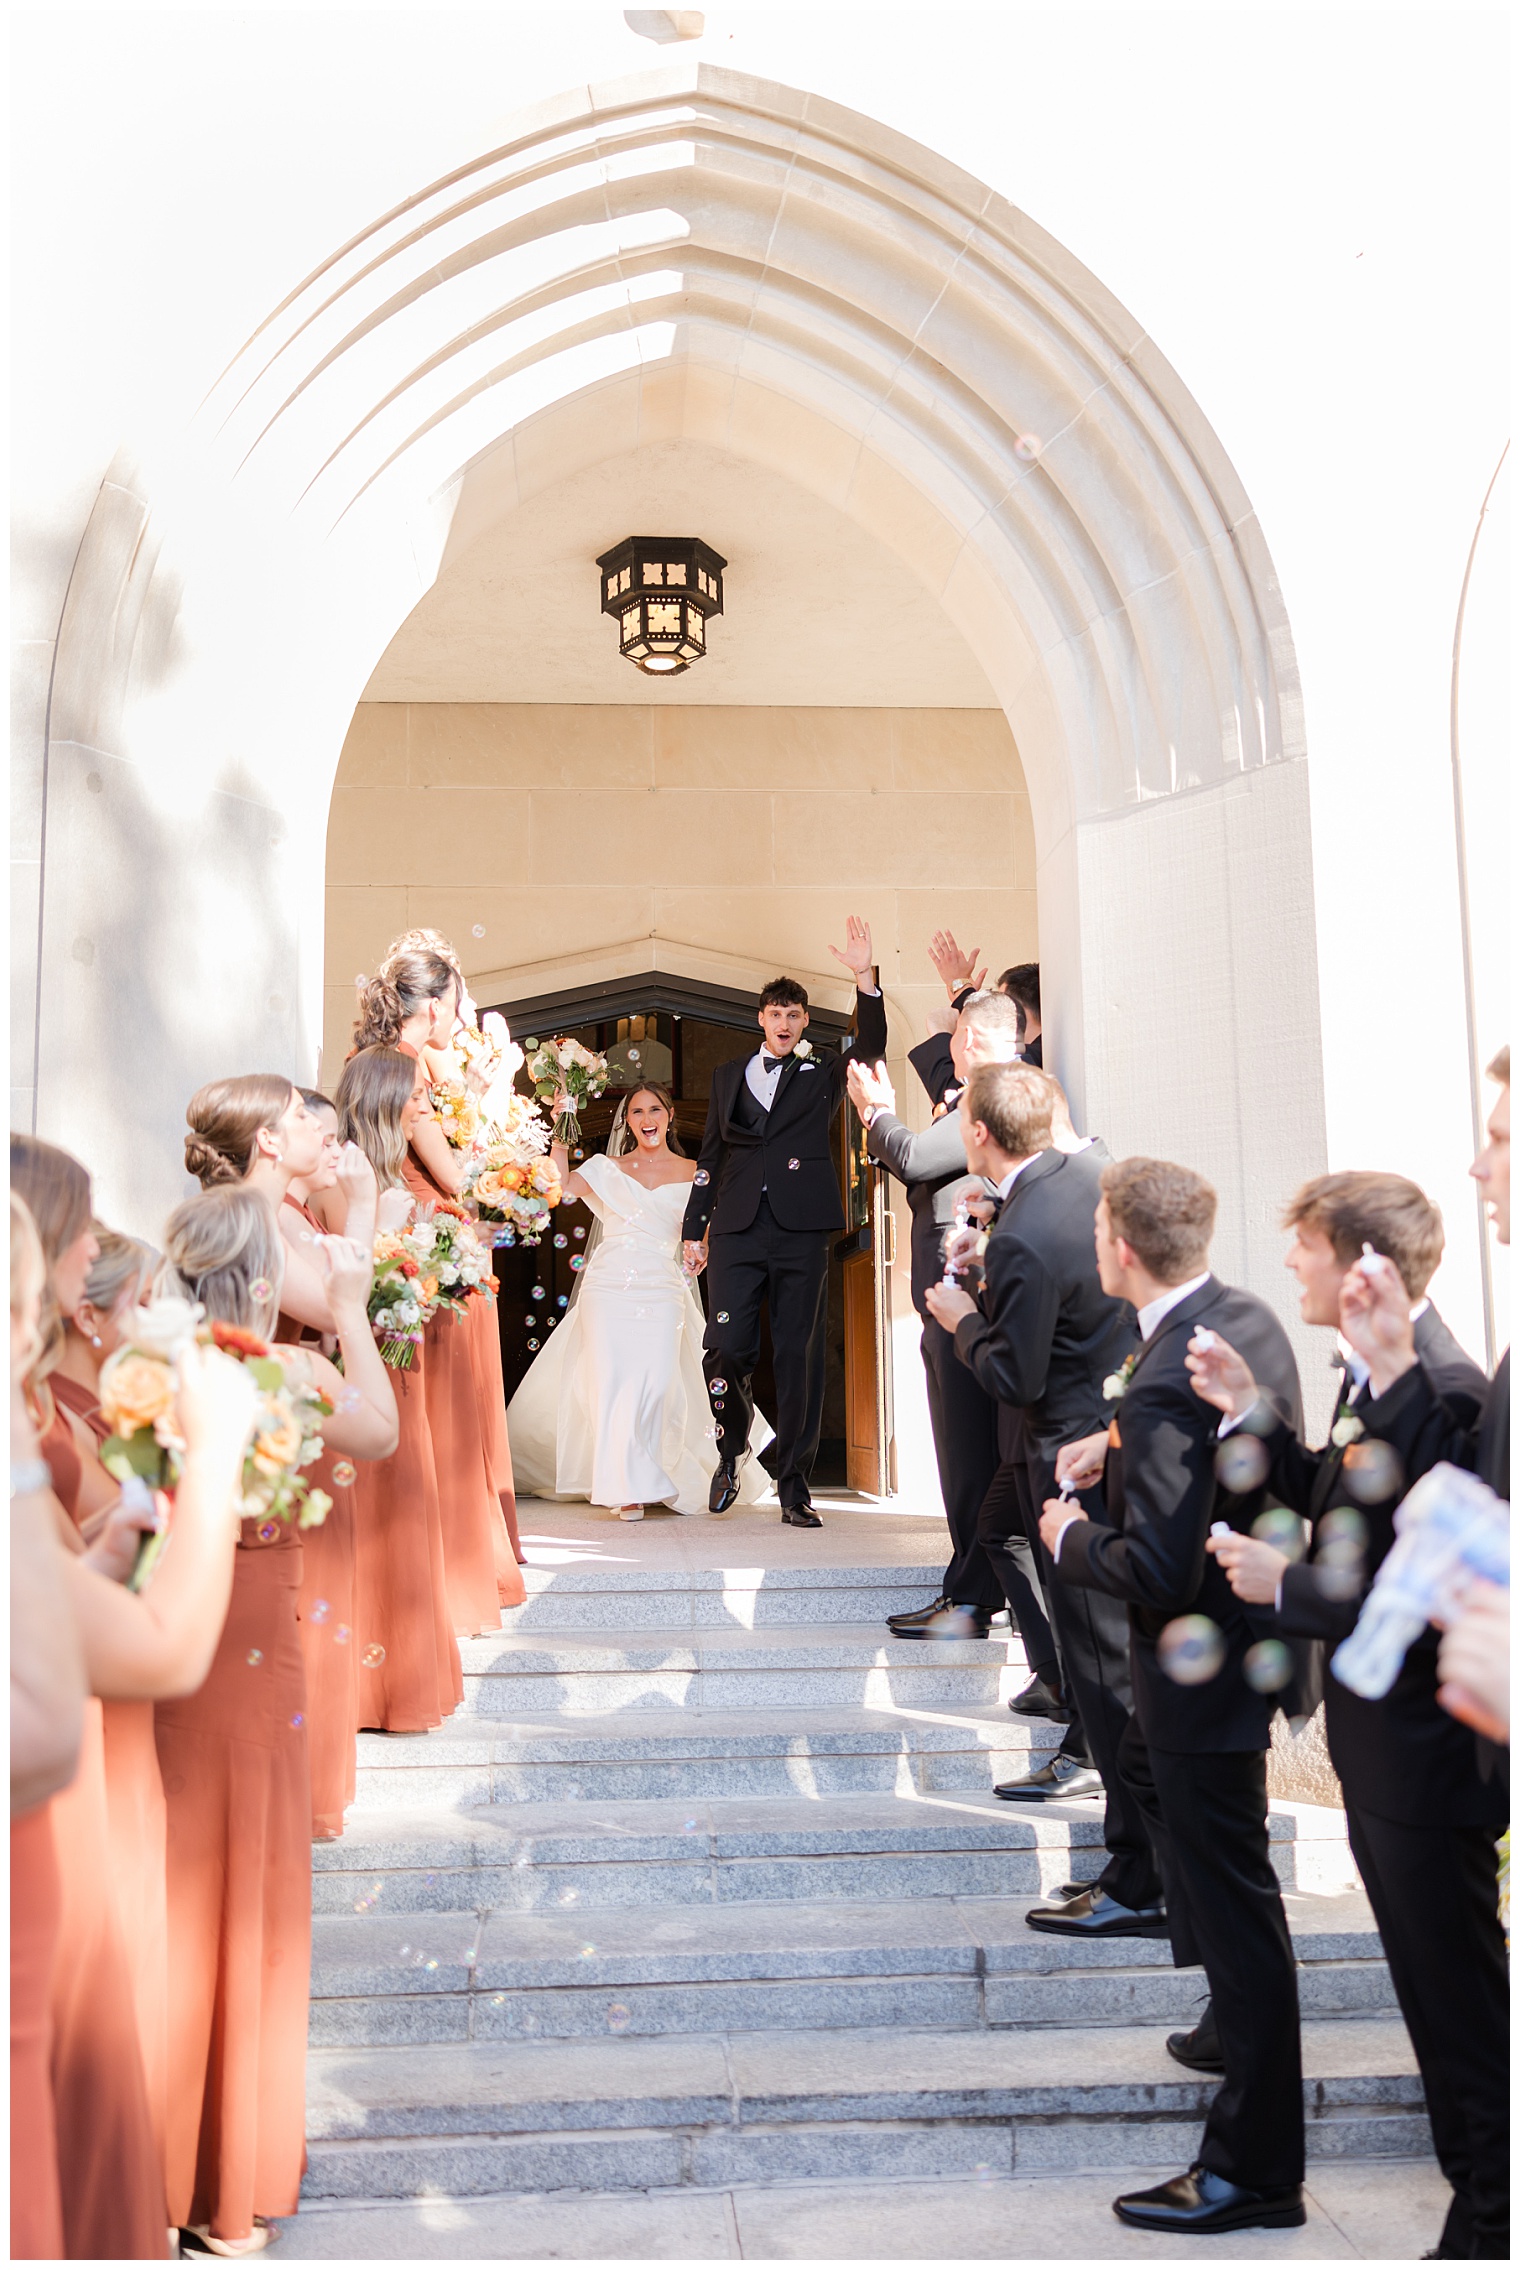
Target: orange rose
point(135, 1392)
point(277, 1443)
point(430, 1288)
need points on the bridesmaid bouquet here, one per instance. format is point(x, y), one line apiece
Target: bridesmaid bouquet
point(403, 1294)
point(138, 1386)
point(565, 1068)
point(458, 1260)
point(458, 1114)
point(512, 1183)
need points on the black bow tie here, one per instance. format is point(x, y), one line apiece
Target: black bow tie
point(770, 1063)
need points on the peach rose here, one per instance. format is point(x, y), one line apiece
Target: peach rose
point(136, 1392)
point(277, 1443)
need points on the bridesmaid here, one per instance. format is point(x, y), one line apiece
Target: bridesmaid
point(236, 1781)
point(409, 1675)
point(415, 999)
point(466, 1395)
point(259, 1130)
point(326, 1603)
point(159, 1645)
point(117, 1282)
point(442, 1061)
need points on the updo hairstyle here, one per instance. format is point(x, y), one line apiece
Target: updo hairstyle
point(225, 1117)
point(219, 1247)
point(407, 983)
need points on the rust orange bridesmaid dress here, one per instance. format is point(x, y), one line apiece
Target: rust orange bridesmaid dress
point(238, 1793)
point(467, 1484)
point(36, 2208)
point(135, 1824)
point(480, 1322)
point(326, 1612)
point(409, 1676)
point(111, 2181)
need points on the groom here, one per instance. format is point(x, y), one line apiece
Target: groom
point(767, 1193)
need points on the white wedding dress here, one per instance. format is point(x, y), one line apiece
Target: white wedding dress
point(614, 1408)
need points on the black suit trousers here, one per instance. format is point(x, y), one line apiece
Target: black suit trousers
point(789, 1270)
point(1435, 1893)
point(1092, 1634)
point(964, 1422)
point(1208, 1819)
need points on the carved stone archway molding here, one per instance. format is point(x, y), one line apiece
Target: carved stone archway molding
point(695, 254)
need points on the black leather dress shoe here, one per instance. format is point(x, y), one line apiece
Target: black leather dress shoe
point(1093, 1915)
point(725, 1488)
point(1202, 2201)
point(954, 1622)
point(1200, 2048)
point(1038, 1701)
point(800, 1517)
point(1059, 1777)
point(909, 1620)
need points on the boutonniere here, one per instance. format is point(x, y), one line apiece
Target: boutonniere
point(1347, 1429)
point(1117, 1382)
point(803, 1050)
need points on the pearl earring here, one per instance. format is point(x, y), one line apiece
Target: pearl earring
point(94, 1339)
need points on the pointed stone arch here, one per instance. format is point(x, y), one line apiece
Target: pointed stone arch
point(696, 254)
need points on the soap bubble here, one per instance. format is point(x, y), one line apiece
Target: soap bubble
point(320, 1611)
point(619, 2017)
point(700, 1177)
point(718, 1386)
point(560, 1241)
point(1267, 1666)
point(530, 1321)
point(533, 1347)
point(1373, 1472)
point(577, 1154)
point(588, 1950)
point(344, 1471)
point(1282, 1530)
point(1191, 1649)
point(260, 1289)
point(689, 1826)
point(561, 1300)
point(794, 1164)
point(297, 1723)
point(1241, 1464)
point(1027, 448)
point(373, 1656)
point(723, 1316)
point(577, 1233)
point(477, 930)
point(577, 1260)
point(568, 1897)
point(538, 1292)
point(633, 1056)
point(268, 1532)
point(342, 1636)
point(349, 1399)
point(361, 979)
point(255, 1658)
point(1342, 1551)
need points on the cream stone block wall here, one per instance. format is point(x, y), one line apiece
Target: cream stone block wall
point(569, 832)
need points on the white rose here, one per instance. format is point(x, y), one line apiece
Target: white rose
point(164, 1326)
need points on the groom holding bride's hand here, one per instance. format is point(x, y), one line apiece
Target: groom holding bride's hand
point(766, 1197)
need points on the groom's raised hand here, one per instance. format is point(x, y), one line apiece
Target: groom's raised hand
point(855, 953)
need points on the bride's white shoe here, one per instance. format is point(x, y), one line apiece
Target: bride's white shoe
point(630, 1513)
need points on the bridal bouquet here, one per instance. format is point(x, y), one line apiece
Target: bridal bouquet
point(404, 1293)
point(566, 1068)
point(458, 1260)
point(138, 1386)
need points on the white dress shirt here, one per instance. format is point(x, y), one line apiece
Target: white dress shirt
point(762, 1076)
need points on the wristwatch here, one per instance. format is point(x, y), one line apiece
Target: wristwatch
point(28, 1475)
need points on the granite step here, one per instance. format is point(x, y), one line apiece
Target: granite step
point(855, 1665)
point(387, 1979)
point(577, 1855)
point(465, 2119)
point(474, 1760)
point(626, 1597)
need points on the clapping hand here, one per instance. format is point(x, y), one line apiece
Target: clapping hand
point(855, 953)
point(869, 1088)
point(1219, 1375)
point(957, 969)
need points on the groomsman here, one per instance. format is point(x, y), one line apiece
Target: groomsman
point(766, 1200)
point(1425, 1803)
point(1043, 1341)
point(963, 1417)
point(1200, 1773)
point(931, 1058)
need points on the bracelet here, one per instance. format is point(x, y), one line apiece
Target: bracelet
point(28, 1475)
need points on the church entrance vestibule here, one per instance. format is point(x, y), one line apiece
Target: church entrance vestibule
point(657, 1028)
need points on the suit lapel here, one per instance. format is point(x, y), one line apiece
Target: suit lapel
point(1184, 1314)
point(784, 1080)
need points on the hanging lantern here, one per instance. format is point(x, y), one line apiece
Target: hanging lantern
point(661, 590)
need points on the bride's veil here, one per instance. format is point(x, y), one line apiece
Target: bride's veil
point(617, 1143)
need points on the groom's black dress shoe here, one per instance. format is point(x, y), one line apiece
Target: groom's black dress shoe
point(951, 1622)
point(1200, 2049)
point(800, 1517)
point(1202, 2201)
point(908, 1621)
point(725, 1487)
point(1093, 1915)
point(1061, 1776)
point(1038, 1701)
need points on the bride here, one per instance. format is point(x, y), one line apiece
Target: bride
point(615, 1409)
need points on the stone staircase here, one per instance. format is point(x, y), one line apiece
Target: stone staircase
point(705, 1885)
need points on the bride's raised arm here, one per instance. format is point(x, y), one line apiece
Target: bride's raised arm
point(573, 1185)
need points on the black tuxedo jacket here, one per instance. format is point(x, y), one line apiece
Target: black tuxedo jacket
point(1046, 1335)
point(932, 1062)
point(1403, 1758)
point(784, 1152)
point(1163, 1497)
point(1425, 1425)
point(932, 1164)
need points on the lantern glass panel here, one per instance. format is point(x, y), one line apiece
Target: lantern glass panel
point(664, 618)
point(654, 571)
point(675, 571)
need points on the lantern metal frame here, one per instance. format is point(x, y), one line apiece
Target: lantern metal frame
point(660, 591)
